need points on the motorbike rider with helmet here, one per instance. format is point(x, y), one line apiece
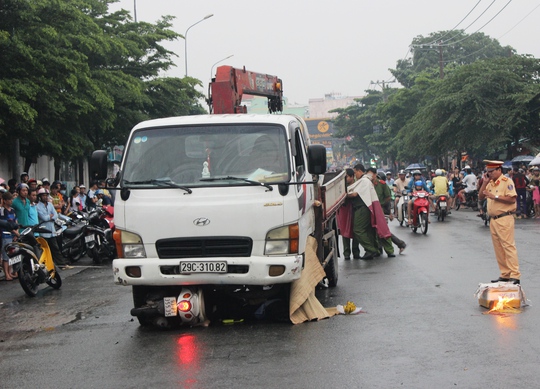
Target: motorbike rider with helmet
point(400, 184)
point(470, 181)
point(419, 186)
point(416, 176)
point(440, 187)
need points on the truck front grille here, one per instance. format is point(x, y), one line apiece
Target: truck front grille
point(206, 247)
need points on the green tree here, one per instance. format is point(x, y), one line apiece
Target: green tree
point(80, 77)
point(455, 47)
point(359, 122)
point(479, 108)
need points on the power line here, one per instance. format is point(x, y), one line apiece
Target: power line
point(453, 29)
point(489, 21)
point(392, 78)
point(485, 47)
point(474, 21)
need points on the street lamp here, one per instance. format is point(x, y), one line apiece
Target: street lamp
point(221, 60)
point(185, 36)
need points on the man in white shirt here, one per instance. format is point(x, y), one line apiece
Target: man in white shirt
point(470, 181)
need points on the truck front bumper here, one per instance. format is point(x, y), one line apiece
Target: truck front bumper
point(240, 271)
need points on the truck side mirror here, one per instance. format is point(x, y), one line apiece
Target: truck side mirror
point(317, 159)
point(98, 165)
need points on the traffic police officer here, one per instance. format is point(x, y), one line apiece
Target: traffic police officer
point(501, 206)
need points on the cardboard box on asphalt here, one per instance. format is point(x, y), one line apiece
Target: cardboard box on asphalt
point(488, 294)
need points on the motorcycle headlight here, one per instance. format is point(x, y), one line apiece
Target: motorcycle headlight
point(129, 245)
point(282, 240)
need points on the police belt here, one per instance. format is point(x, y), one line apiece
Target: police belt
point(503, 215)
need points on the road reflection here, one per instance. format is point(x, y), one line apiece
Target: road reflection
point(188, 353)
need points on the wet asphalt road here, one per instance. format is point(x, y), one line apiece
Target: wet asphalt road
point(422, 328)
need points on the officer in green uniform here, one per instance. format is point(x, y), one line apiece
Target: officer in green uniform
point(364, 232)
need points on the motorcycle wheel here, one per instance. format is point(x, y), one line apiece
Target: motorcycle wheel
point(423, 219)
point(139, 299)
point(77, 252)
point(458, 203)
point(28, 281)
point(94, 253)
point(56, 282)
point(442, 215)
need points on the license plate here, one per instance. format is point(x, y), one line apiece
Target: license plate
point(171, 308)
point(203, 267)
point(14, 260)
point(89, 238)
point(442, 203)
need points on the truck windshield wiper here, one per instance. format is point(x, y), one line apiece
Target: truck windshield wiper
point(251, 182)
point(167, 183)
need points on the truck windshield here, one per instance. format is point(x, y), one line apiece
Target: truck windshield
point(214, 155)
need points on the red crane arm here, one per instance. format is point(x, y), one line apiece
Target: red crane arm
point(226, 90)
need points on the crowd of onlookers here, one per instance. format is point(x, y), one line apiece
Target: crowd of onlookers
point(29, 201)
point(462, 181)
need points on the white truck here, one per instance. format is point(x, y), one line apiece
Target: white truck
point(216, 209)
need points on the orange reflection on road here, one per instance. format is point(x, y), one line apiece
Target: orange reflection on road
point(506, 322)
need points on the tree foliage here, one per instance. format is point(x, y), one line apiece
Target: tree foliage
point(455, 48)
point(479, 108)
point(77, 78)
point(488, 99)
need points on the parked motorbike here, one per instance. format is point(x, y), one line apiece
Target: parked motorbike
point(99, 239)
point(420, 213)
point(32, 260)
point(402, 208)
point(72, 241)
point(441, 207)
point(471, 200)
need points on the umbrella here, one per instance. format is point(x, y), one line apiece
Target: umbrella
point(415, 166)
point(522, 158)
point(507, 164)
point(535, 161)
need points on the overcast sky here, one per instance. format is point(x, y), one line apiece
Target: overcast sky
point(318, 47)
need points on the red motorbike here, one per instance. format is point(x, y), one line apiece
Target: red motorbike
point(420, 212)
point(441, 207)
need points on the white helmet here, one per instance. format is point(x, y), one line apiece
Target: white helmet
point(42, 191)
point(438, 172)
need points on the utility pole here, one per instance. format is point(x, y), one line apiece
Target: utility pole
point(441, 62)
point(383, 85)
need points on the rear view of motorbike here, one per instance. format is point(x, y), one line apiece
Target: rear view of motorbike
point(441, 207)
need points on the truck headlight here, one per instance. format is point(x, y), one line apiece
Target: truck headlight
point(128, 244)
point(282, 240)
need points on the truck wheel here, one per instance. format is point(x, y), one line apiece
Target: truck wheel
point(331, 268)
point(139, 299)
